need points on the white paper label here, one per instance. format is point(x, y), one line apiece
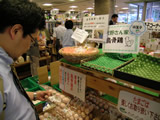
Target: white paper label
point(137, 107)
point(79, 35)
point(96, 26)
point(72, 82)
point(120, 40)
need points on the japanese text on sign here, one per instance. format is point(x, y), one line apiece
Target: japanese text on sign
point(120, 40)
point(137, 107)
point(96, 26)
point(72, 82)
point(153, 26)
point(137, 28)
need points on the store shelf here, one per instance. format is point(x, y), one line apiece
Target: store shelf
point(23, 69)
point(99, 81)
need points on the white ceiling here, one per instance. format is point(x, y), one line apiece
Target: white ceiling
point(64, 5)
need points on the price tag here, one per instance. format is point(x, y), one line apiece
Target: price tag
point(79, 35)
point(137, 107)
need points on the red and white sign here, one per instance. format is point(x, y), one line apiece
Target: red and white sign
point(137, 107)
point(72, 82)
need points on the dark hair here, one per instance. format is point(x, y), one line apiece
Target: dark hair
point(23, 12)
point(59, 23)
point(114, 15)
point(69, 24)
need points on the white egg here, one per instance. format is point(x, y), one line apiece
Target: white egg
point(76, 116)
point(46, 115)
point(41, 117)
point(62, 105)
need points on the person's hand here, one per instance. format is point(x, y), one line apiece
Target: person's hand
point(43, 95)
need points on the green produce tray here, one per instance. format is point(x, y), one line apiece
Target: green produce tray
point(56, 87)
point(28, 84)
point(107, 62)
point(144, 70)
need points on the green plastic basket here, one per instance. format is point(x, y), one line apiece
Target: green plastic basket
point(28, 84)
point(107, 62)
point(56, 87)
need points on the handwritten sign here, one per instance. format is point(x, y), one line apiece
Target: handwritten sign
point(137, 28)
point(137, 107)
point(153, 26)
point(120, 40)
point(79, 35)
point(72, 82)
point(97, 27)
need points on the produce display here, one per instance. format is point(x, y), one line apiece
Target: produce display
point(107, 62)
point(144, 66)
point(67, 108)
point(76, 54)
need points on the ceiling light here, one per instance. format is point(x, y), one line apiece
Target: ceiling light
point(55, 9)
point(134, 10)
point(90, 8)
point(73, 6)
point(121, 12)
point(116, 6)
point(85, 11)
point(155, 6)
point(71, 0)
point(72, 10)
point(47, 4)
point(125, 8)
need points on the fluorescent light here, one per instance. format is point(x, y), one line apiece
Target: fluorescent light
point(90, 8)
point(155, 6)
point(125, 8)
point(85, 11)
point(116, 6)
point(121, 12)
point(55, 9)
point(47, 4)
point(134, 10)
point(71, 0)
point(72, 10)
point(73, 6)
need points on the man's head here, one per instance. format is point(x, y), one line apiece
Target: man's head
point(58, 23)
point(19, 20)
point(69, 24)
point(114, 18)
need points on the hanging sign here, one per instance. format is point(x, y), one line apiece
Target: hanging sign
point(153, 26)
point(137, 107)
point(137, 28)
point(120, 40)
point(72, 82)
point(97, 27)
point(79, 35)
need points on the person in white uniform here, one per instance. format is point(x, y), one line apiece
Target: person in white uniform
point(19, 25)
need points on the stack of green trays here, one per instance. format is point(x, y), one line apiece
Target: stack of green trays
point(28, 84)
point(108, 62)
point(144, 66)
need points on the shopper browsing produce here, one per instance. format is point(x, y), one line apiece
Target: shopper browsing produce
point(19, 25)
point(67, 40)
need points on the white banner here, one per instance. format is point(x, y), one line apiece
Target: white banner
point(137, 107)
point(72, 82)
point(120, 40)
point(97, 27)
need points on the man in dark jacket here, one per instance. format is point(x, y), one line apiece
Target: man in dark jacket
point(113, 20)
